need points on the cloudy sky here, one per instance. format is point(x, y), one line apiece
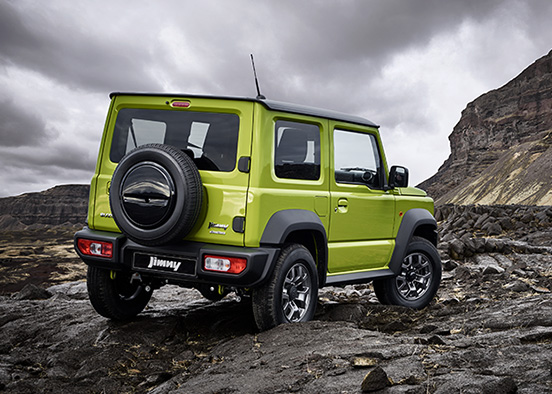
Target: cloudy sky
point(409, 65)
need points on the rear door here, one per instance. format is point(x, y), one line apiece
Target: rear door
point(362, 213)
point(216, 133)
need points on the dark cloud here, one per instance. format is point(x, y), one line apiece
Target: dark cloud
point(37, 168)
point(50, 158)
point(335, 55)
point(20, 126)
point(52, 44)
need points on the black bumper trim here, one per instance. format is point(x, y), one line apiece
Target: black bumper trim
point(259, 260)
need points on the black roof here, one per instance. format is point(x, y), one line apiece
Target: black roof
point(270, 104)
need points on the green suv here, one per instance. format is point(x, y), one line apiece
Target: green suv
point(267, 199)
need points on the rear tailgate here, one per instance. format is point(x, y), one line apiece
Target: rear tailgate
point(216, 131)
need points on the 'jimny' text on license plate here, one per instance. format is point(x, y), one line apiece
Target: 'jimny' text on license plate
point(164, 263)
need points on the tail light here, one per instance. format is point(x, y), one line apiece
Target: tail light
point(95, 248)
point(230, 265)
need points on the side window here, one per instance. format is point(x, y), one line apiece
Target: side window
point(297, 150)
point(356, 158)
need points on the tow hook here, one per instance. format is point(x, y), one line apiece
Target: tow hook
point(136, 277)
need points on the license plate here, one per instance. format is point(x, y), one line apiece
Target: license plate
point(168, 264)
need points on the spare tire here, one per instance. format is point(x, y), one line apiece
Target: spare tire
point(155, 194)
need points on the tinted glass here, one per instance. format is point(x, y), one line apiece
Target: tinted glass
point(297, 153)
point(211, 139)
point(357, 158)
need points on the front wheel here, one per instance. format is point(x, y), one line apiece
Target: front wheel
point(291, 294)
point(418, 280)
point(116, 295)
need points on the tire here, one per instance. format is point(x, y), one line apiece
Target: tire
point(291, 294)
point(156, 194)
point(114, 296)
point(211, 292)
point(418, 280)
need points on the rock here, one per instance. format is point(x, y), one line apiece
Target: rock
point(500, 145)
point(493, 229)
point(60, 205)
point(540, 289)
point(32, 292)
point(481, 220)
point(479, 244)
point(449, 265)
point(73, 290)
point(375, 380)
point(492, 270)
point(436, 340)
point(364, 362)
point(462, 273)
point(475, 384)
point(428, 329)
point(456, 249)
point(517, 286)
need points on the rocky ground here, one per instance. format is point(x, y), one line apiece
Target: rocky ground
point(489, 330)
point(42, 257)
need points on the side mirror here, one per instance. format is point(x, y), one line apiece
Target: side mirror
point(398, 177)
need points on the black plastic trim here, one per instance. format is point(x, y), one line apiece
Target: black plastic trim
point(238, 224)
point(101, 262)
point(260, 261)
point(358, 277)
point(412, 219)
point(270, 104)
point(244, 164)
point(282, 223)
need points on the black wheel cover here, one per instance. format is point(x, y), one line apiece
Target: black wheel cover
point(155, 194)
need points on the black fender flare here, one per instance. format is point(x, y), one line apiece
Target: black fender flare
point(413, 219)
point(282, 223)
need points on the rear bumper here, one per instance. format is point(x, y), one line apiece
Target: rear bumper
point(184, 260)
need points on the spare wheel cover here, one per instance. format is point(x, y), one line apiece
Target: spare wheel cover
point(155, 194)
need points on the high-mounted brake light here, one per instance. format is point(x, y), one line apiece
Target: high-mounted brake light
point(230, 265)
point(95, 248)
point(180, 104)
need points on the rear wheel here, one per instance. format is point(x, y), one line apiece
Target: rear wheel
point(116, 295)
point(418, 279)
point(291, 294)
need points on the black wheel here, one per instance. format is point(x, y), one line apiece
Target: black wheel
point(212, 292)
point(291, 294)
point(114, 295)
point(418, 279)
point(155, 194)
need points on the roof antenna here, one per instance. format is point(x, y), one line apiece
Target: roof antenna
point(259, 95)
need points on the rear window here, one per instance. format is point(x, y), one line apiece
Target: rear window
point(211, 139)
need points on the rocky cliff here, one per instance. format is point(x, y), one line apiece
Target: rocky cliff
point(500, 148)
point(64, 205)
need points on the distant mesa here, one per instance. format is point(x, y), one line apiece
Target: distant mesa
point(501, 147)
point(64, 206)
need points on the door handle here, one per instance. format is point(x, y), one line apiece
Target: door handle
point(342, 205)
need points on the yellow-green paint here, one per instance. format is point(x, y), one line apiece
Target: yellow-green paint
point(361, 223)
